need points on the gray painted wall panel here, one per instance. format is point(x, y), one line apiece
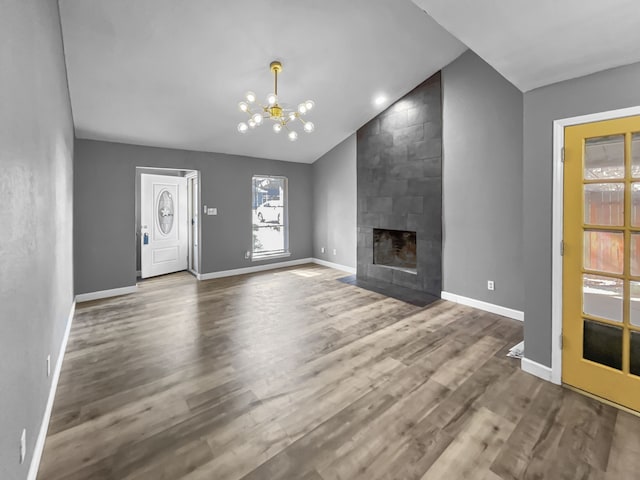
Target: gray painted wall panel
point(104, 187)
point(36, 250)
point(608, 90)
point(482, 184)
point(335, 205)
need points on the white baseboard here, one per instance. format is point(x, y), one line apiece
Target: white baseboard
point(256, 268)
point(44, 426)
point(537, 369)
point(487, 307)
point(114, 292)
point(337, 266)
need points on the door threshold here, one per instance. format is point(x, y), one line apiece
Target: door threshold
point(601, 400)
point(140, 279)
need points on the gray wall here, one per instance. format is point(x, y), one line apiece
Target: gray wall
point(482, 184)
point(104, 213)
point(334, 204)
point(36, 277)
point(399, 161)
point(608, 90)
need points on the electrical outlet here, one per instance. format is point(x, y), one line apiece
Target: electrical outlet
point(490, 285)
point(335, 252)
point(49, 365)
point(23, 445)
point(321, 249)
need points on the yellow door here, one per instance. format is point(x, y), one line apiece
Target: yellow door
point(601, 263)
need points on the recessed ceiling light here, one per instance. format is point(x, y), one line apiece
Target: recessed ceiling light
point(380, 99)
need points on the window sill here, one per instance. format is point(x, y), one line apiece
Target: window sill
point(258, 258)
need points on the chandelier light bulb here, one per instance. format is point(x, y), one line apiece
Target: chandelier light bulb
point(293, 136)
point(309, 127)
point(251, 123)
point(277, 127)
point(272, 99)
point(257, 118)
point(292, 116)
point(243, 106)
point(302, 108)
point(243, 127)
point(251, 97)
point(309, 104)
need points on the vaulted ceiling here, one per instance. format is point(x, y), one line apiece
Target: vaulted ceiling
point(171, 73)
point(533, 43)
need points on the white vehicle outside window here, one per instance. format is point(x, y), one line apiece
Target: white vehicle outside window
point(272, 212)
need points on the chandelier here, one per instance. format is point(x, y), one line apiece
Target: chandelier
point(281, 118)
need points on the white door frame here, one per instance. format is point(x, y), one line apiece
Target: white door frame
point(194, 207)
point(558, 210)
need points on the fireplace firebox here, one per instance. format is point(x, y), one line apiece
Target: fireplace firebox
point(395, 248)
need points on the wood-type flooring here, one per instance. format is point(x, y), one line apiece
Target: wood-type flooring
point(291, 374)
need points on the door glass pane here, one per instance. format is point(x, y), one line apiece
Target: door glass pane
point(634, 303)
point(604, 204)
point(165, 212)
point(603, 251)
point(604, 157)
point(635, 155)
point(635, 353)
point(602, 297)
point(635, 254)
point(635, 204)
point(602, 344)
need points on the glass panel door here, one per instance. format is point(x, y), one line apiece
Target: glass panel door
point(601, 266)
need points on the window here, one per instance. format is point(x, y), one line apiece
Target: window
point(270, 223)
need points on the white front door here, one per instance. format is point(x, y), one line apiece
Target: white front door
point(163, 216)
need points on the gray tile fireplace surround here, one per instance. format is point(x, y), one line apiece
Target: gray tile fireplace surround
point(399, 174)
